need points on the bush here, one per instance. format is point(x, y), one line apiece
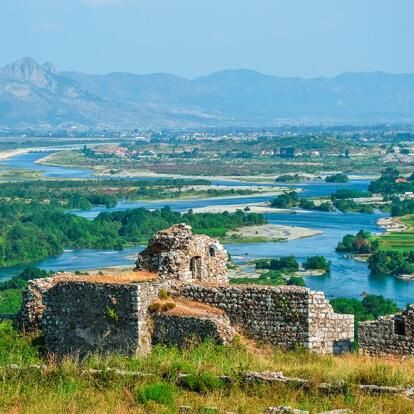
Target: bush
point(371, 307)
point(168, 306)
point(202, 383)
point(361, 243)
point(307, 204)
point(337, 178)
point(350, 193)
point(163, 294)
point(317, 263)
point(285, 263)
point(10, 301)
point(391, 263)
point(161, 393)
point(296, 281)
point(286, 200)
point(154, 307)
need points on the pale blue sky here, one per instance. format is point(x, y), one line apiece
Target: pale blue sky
point(195, 37)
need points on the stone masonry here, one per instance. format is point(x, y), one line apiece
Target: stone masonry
point(31, 313)
point(177, 254)
point(181, 330)
point(82, 316)
point(111, 313)
point(388, 335)
point(284, 316)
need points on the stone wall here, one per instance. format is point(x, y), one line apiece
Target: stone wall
point(31, 313)
point(329, 332)
point(180, 330)
point(284, 316)
point(82, 317)
point(176, 254)
point(388, 335)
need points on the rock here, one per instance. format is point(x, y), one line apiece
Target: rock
point(284, 410)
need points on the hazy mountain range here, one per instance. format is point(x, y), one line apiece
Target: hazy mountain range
point(34, 95)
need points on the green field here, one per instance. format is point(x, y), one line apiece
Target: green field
point(400, 241)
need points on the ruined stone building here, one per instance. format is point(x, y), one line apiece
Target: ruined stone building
point(388, 335)
point(178, 254)
point(125, 312)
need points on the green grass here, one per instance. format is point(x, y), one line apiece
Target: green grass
point(63, 388)
point(400, 241)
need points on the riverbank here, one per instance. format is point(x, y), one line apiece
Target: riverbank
point(270, 233)
point(262, 208)
point(5, 155)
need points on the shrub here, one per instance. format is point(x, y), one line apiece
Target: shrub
point(154, 307)
point(203, 382)
point(285, 263)
point(371, 307)
point(112, 314)
point(163, 294)
point(168, 306)
point(317, 263)
point(296, 281)
point(286, 200)
point(159, 392)
point(337, 178)
point(10, 301)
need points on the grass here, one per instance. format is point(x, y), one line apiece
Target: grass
point(62, 388)
point(400, 241)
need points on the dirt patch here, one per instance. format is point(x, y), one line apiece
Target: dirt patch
point(115, 278)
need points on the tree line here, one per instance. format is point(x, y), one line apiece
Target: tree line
point(32, 231)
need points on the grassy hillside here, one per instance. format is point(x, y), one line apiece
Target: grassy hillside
point(63, 388)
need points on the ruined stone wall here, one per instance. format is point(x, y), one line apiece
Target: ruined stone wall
point(283, 316)
point(30, 316)
point(180, 330)
point(329, 332)
point(388, 335)
point(176, 254)
point(82, 317)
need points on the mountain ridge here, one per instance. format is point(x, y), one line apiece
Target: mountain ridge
point(35, 95)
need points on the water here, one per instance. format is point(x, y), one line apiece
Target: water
point(81, 259)
point(28, 161)
point(348, 278)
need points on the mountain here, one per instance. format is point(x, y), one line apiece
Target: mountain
point(34, 95)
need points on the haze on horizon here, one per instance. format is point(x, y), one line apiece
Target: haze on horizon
point(193, 37)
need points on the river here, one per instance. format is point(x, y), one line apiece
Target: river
point(348, 278)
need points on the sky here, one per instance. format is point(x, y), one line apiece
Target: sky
point(190, 38)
